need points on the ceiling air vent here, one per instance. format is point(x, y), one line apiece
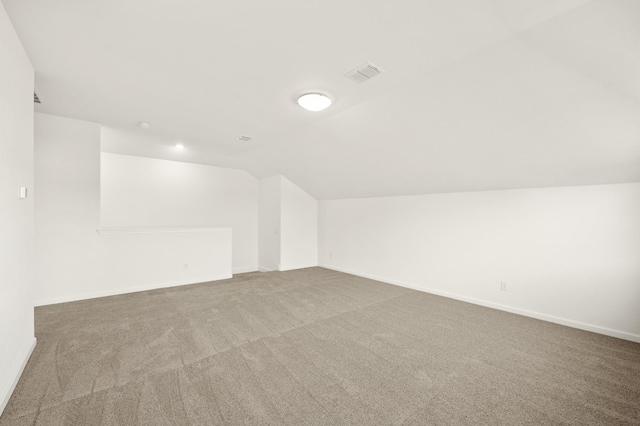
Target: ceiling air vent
point(36, 98)
point(245, 138)
point(364, 73)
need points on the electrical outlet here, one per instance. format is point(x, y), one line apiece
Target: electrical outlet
point(504, 286)
point(185, 265)
point(330, 255)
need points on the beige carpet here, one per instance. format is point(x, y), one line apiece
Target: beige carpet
point(316, 347)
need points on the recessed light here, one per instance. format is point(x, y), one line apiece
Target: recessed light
point(143, 124)
point(314, 102)
point(179, 146)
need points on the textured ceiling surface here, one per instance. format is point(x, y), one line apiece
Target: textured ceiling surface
point(476, 94)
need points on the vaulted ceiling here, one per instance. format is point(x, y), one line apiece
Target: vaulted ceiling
point(476, 94)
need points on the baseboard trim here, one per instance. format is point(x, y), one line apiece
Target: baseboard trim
point(244, 269)
point(116, 231)
point(75, 298)
point(302, 266)
point(527, 313)
point(263, 269)
point(6, 395)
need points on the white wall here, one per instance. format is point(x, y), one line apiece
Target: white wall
point(135, 259)
point(270, 223)
point(288, 226)
point(67, 175)
point(74, 261)
point(146, 192)
point(16, 216)
point(299, 223)
point(569, 255)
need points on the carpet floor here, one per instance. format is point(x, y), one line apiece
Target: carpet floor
point(316, 347)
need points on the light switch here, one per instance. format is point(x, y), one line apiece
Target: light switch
point(23, 192)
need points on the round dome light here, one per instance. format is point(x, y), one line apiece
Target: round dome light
point(314, 102)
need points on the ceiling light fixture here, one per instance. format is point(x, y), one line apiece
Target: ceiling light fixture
point(179, 146)
point(314, 101)
point(143, 124)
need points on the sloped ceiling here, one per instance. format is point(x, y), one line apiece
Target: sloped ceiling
point(477, 94)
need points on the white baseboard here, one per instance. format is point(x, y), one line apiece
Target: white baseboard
point(527, 313)
point(288, 268)
point(76, 297)
point(244, 269)
point(11, 386)
point(301, 266)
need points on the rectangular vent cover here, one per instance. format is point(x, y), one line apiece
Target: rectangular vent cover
point(364, 73)
point(36, 99)
point(245, 138)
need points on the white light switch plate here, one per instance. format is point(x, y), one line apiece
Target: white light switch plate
point(23, 192)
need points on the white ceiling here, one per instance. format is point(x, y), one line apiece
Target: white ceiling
point(477, 94)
